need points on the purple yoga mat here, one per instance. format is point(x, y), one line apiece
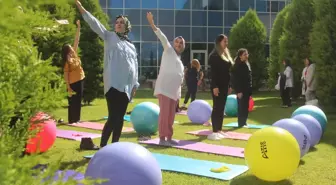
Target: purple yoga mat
point(97, 126)
point(75, 135)
point(230, 135)
point(182, 112)
point(203, 147)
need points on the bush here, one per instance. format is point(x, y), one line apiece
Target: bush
point(250, 33)
point(274, 60)
point(294, 43)
point(92, 52)
point(323, 50)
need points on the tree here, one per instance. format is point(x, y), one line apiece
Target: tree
point(92, 52)
point(276, 33)
point(294, 43)
point(323, 50)
point(250, 33)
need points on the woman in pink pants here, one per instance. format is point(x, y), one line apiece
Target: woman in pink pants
point(168, 83)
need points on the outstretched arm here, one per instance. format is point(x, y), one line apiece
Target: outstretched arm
point(93, 22)
point(157, 31)
point(75, 46)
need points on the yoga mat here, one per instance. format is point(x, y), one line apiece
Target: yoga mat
point(75, 135)
point(182, 112)
point(126, 118)
point(230, 135)
point(251, 126)
point(203, 147)
point(195, 167)
point(97, 126)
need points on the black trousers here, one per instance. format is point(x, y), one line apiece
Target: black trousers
point(243, 105)
point(75, 102)
point(191, 93)
point(217, 115)
point(117, 103)
point(286, 96)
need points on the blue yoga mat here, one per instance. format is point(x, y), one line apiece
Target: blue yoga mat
point(251, 126)
point(196, 167)
point(126, 118)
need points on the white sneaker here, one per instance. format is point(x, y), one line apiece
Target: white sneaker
point(246, 126)
point(214, 136)
point(222, 134)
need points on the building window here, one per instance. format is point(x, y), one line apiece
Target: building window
point(166, 4)
point(149, 72)
point(168, 31)
point(147, 34)
point(246, 4)
point(265, 18)
point(215, 18)
point(134, 35)
point(166, 17)
point(231, 18)
point(182, 4)
point(199, 34)
point(149, 4)
point(149, 54)
point(232, 5)
point(102, 3)
point(113, 13)
point(144, 16)
point(215, 5)
point(115, 4)
point(261, 5)
point(132, 4)
point(185, 57)
point(273, 6)
point(213, 33)
point(133, 16)
point(184, 32)
point(227, 31)
point(282, 5)
point(199, 5)
point(182, 17)
point(199, 18)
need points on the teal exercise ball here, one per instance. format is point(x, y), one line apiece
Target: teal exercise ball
point(231, 106)
point(314, 111)
point(145, 118)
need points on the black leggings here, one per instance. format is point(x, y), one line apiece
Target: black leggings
point(75, 102)
point(217, 115)
point(243, 105)
point(191, 93)
point(117, 103)
point(286, 96)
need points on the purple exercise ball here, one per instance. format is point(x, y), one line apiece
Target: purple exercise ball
point(298, 130)
point(199, 111)
point(313, 126)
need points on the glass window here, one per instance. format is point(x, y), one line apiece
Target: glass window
point(215, 18)
point(265, 18)
point(227, 32)
point(199, 4)
point(199, 34)
point(198, 46)
point(215, 5)
point(168, 31)
point(261, 5)
point(185, 57)
point(115, 4)
point(231, 5)
point(149, 3)
point(231, 18)
point(134, 35)
point(149, 72)
point(182, 4)
point(182, 17)
point(166, 17)
point(144, 16)
point(133, 16)
point(211, 46)
point(184, 32)
point(147, 34)
point(132, 4)
point(113, 13)
point(166, 4)
point(282, 5)
point(160, 52)
point(102, 3)
point(213, 33)
point(137, 46)
point(149, 54)
point(199, 18)
point(273, 16)
point(246, 4)
point(274, 6)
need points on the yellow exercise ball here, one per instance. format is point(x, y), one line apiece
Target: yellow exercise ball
point(272, 154)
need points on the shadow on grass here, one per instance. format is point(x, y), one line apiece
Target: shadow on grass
point(252, 180)
point(73, 164)
point(97, 120)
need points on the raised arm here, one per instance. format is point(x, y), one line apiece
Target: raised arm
point(93, 22)
point(75, 46)
point(157, 31)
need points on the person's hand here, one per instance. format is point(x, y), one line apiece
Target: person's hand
point(150, 18)
point(78, 23)
point(240, 95)
point(70, 92)
point(230, 90)
point(78, 3)
point(199, 82)
point(215, 91)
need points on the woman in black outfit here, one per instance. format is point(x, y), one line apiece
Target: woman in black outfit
point(242, 84)
point(220, 64)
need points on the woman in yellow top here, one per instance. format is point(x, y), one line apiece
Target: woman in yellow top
point(74, 78)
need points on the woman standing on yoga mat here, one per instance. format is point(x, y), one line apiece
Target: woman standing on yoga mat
point(220, 64)
point(242, 84)
point(74, 78)
point(120, 71)
point(168, 83)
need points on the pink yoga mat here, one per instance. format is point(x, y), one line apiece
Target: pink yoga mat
point(97, 126)
point(230, 135)
point(182, 112)
point(75, 135)
point(203, 147)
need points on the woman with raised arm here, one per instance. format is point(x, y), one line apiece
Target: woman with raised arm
point(168, 83)
point(120, 71)
point(74, 78)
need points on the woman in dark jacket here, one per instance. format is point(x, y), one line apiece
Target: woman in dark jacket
point(242, 84)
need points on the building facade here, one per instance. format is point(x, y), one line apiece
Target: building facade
point(198, 21)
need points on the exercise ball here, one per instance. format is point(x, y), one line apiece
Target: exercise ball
point(231, 106)
point(313, 127)
point(251, 104)
point(314, 111)
point(43, 131)
point(272, 154)
point(145, 118)
point(124, 163)
point(298, 130)
point(199, 111)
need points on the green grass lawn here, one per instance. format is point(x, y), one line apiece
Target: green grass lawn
point(317, 167)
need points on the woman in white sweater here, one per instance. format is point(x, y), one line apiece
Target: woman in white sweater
point(286, 93)
point(310, 81)
point(168, 83)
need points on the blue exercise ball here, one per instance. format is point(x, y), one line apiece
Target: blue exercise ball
point(231, 106)
point(124, 163)
point(145, 118)
point(313, 127)
point(314, 111)
point(199, 111)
